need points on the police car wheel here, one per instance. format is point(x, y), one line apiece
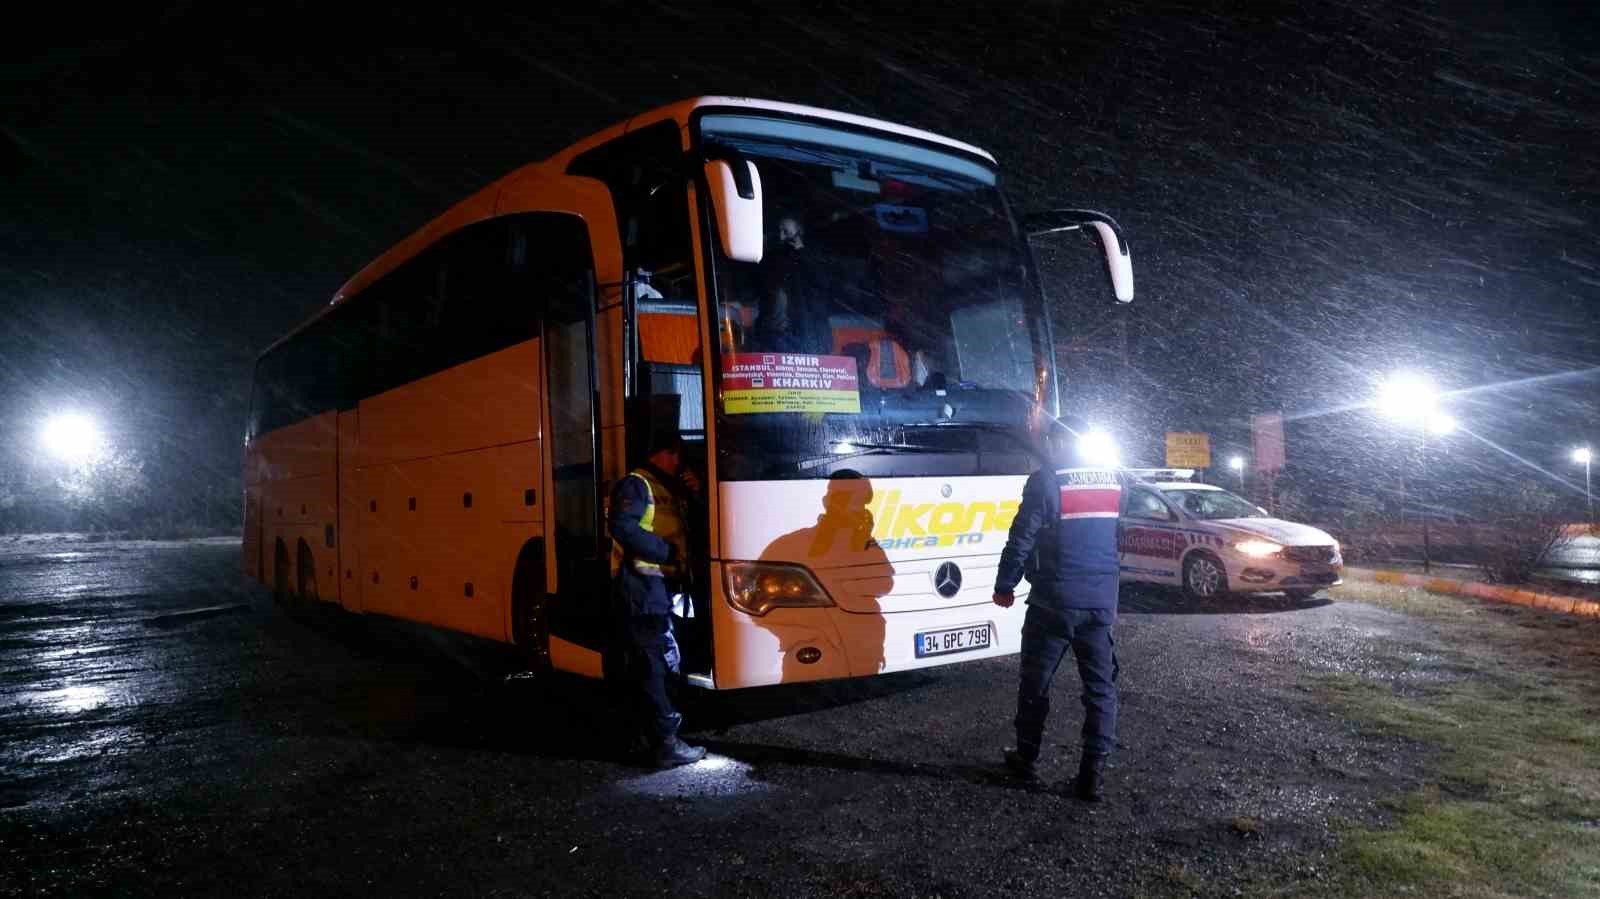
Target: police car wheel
point(1203, 577)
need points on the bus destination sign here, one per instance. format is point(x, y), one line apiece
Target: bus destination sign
point(789, 382)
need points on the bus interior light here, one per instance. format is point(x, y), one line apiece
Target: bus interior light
point(757, 588)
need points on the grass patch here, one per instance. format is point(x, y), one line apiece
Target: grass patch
point(1176, 875)
point(1515, 806)
point(1413, 600)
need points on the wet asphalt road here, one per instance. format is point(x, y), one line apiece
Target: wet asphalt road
point(165, 728)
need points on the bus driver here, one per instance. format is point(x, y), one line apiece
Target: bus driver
point(791, 315)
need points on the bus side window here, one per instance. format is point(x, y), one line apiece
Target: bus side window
point(408, 311)
point(488, 306)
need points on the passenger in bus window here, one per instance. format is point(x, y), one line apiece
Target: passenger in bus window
point(649, 527)
point(792, 315)
point(643, 290)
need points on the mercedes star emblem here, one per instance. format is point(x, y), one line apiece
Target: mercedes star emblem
point(947, 580)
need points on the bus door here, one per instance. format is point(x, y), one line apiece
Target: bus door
point(662, 350)
point(577, 607)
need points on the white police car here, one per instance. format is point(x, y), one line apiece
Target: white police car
point(1211, 542)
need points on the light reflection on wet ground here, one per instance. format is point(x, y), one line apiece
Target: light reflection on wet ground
point(71, 699)
point(714, 775)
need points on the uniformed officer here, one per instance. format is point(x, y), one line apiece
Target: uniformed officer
point(649, 560)
point(1065, 533)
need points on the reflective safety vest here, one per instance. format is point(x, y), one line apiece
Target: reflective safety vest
point(665, 520)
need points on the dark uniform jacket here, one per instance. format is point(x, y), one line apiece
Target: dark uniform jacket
point(642, 593)
point(1065, 534)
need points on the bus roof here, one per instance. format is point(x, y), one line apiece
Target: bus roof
point(683, 109)
point(483, 204)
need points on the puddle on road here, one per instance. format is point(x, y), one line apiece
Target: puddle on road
point(83, 651)
point(73, 699)
point(103, 741)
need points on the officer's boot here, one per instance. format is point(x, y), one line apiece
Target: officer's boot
point(1020, 762)
point(675, 752)
point(1030, 733)
point(1089, 785)
point(671, 751)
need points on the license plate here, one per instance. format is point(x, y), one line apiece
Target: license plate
point(955, 639)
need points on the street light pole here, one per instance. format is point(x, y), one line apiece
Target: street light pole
point(1427, 519)
point(1409, 398)
point(1582, 454)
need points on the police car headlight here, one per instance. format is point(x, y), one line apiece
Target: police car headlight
point(1258, 548)
point(759, 587)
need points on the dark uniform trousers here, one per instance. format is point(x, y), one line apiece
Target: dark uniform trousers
point(1047, 635)
point(649, 653)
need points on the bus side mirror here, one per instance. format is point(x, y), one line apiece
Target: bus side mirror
point(736, 204)
point(1118, 262)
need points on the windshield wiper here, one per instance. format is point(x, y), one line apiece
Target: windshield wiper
point(859, 449)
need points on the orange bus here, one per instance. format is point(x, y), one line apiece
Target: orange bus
point(839, 314)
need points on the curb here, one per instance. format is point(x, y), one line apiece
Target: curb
point(1550, 602)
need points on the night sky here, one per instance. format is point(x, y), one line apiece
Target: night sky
point(1314, 194)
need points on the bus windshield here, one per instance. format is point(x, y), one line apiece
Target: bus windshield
point(890, 327)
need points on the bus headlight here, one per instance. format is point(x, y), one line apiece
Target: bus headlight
point(1257, 547)
point(759, 587)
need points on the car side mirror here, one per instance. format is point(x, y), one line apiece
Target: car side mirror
point(1119, 264)
point(736, 205)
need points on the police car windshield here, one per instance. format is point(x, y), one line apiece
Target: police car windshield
point(1210, 504)
point(893, 292)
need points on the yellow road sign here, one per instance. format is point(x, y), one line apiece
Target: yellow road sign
point(1188, 450)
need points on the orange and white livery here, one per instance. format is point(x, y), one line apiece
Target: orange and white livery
point(839, 314)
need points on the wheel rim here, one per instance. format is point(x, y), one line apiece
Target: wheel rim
point(1204, 577)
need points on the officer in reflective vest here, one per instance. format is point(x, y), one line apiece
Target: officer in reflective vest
point(649, 559)
point(1065, 532)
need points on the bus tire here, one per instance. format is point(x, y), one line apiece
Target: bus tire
point(529, 603)
point(305, 570)
point(1204, 578)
